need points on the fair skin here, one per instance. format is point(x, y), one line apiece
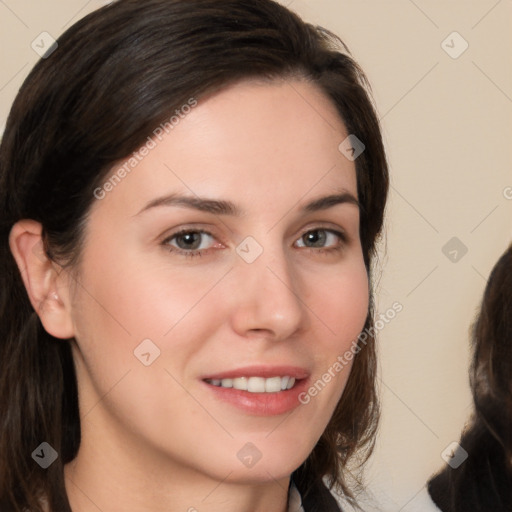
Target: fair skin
point(159, 437)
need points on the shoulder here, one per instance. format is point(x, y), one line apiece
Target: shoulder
point(317, 498)
point(381, 500)
point(321, 501)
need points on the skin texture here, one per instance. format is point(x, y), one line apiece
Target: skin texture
point(155, 437)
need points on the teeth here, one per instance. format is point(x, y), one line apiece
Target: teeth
point(227, 383)
point(273, 385)
point(240, 383)
point(256, 384)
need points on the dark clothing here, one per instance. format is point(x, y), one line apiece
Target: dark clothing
point(318, 499)
point(323, 501)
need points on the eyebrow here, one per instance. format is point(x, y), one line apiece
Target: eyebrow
point(223, 207)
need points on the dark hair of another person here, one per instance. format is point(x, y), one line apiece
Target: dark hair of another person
point(115, 76)
point(483, 482)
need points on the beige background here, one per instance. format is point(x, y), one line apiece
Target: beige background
point(448, 129)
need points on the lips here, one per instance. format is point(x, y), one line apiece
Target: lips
point(260, 371)
point(259, 390)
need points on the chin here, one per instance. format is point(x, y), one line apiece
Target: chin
point(264, 464)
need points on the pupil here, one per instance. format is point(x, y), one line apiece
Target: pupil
point(190, 240)
point(316, 236)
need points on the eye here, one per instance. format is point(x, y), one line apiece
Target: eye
point(190, 242)
point(196, 242)
point(322, 238)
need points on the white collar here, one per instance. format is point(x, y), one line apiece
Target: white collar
point(295, 500)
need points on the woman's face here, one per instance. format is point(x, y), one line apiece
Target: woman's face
point(213, 259)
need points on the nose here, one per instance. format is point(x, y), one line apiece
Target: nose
point(267, 301)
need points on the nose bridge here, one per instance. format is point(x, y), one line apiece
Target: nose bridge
point(269, 289)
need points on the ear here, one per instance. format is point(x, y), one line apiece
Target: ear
point(47, 284)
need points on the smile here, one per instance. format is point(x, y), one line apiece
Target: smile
point(255, 384)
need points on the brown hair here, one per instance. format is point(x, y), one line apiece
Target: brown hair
point(483, 481)
point(116, 75)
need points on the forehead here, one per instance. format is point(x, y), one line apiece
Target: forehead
point(251, 143)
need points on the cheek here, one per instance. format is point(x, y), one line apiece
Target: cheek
point(341, 301)
point(342, 306)
point(115, 311)
point(131, 302)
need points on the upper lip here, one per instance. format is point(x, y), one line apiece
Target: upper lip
point(261, 371)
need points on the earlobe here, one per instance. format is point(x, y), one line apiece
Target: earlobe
point(45, 284)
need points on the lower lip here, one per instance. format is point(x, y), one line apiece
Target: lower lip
point(261, 404)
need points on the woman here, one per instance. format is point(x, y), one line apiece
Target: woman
point(193, 194)
point(479, 476)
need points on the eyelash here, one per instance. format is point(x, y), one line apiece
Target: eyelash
point(199, 252)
